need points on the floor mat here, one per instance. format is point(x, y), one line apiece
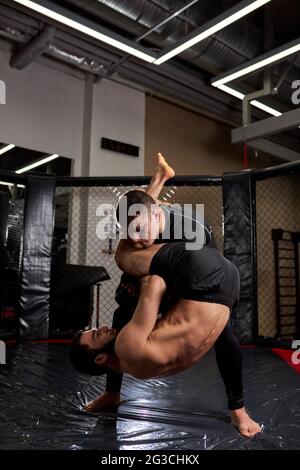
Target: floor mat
point(41, 399)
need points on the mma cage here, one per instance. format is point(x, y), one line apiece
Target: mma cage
point(57, 275)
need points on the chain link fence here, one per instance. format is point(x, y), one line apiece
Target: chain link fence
point(10, 264)
point(77, 222)
point(277, 207)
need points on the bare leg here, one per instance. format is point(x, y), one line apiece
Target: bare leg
point(162, 173)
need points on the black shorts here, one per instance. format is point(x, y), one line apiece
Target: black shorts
point(203, 275)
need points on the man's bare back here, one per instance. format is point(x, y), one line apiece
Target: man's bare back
point(173, 343)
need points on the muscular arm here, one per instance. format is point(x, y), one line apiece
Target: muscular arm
point(132, 341)
point(135, 261)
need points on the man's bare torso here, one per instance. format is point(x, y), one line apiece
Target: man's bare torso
point(177, 341)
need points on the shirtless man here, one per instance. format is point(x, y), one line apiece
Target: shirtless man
point(149, 348)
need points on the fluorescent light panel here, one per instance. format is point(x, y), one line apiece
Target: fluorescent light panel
point(7, 148)
point(118, 44)
point(232, 91)
point(4, 183)
point(233, 15)
point(255, 103)
point(36, 164)
point(260, 63)
point(266, 108)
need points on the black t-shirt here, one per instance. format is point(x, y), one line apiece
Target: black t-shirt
point(185, 225)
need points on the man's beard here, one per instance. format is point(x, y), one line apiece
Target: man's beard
point(110, 347)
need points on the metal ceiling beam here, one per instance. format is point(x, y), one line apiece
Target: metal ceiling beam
point(57, 14)
point(34, 49)
point(178, 73)
point(275, 149)
point(267, 78)
point(274, 125)
point(173, 15)
point(116, 19)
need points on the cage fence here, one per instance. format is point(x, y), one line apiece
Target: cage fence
point(277, 207)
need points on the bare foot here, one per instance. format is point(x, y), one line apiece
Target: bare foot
point(105, 402)
point(246, 426)
point(163, 168)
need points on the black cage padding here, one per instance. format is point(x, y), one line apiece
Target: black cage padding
point(239, 248)
point(34, 290)
point(4, 206)
point(4, 260)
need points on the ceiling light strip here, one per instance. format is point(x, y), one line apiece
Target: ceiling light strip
point(257, 64)
point(257, 104)
point(217, 24)
point(37, 163)
point(7, 148)
point(11, 185)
